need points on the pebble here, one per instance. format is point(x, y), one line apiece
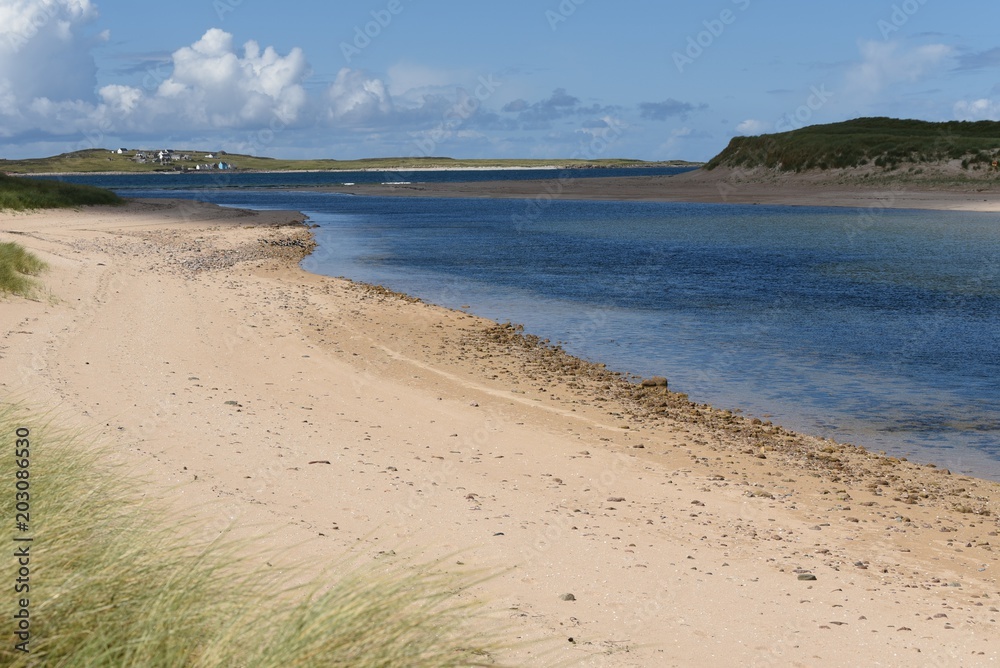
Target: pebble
point(568, 597)
point(807, 576)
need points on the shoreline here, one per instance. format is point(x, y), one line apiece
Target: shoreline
point(451, 432)
point(499, 168)
point(718, 187)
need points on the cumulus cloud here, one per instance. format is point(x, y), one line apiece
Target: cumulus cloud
point(356, 97)
point(48, 80)
point(977, 110)
point(45, 52)
point(886, 63)
point(212, 85)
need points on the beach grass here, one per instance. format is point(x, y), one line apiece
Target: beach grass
point(114, 581)
point(21, 194)
point(17, 267)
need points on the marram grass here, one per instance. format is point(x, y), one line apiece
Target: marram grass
point(113, 582)
point(22, 194)
point(17, 266)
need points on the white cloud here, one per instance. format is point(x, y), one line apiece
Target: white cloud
point(212, 85)
point(44, 53)
point(977, 110)
point(886, 63)
point(122, 99)
point(354, 97)
point(752, 126)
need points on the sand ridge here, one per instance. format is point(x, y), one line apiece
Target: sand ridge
point(188, 337)
point(719, 186)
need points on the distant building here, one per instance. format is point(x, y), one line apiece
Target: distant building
point(121, 151)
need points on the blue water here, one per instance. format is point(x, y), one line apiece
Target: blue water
point(880, 328)
point(216, 179)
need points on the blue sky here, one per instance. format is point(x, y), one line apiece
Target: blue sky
point(519, 78)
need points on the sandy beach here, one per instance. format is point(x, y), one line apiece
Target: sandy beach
point(722, 185)
point(344, 418)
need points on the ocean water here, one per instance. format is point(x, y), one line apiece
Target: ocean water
point(877, 327)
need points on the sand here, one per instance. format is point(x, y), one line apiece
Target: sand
point(346, 418)
point(722, 185)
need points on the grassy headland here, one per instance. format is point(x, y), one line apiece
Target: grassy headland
point(958, 150)
point(103, 160)
point(22, 194)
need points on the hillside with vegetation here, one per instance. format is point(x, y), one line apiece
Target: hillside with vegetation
point(873, 147)
point(22, 194)
point(168, 160)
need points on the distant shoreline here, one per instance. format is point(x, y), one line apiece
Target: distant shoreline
point(720, 186)
point(314, 171)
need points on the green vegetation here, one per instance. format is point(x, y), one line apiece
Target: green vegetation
point(20, 194)
point(114, 581)
point(103, 160)
point(883, 143)
point(17, 266)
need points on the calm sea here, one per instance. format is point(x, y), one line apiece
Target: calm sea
point(876, 327)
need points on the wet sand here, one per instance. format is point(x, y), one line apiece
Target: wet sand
point(718, 186)
point(345, 417)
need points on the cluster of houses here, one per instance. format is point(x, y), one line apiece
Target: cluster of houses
point(170, 157)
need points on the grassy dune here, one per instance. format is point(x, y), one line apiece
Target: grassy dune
point(17, 266)
point(22, 194)
point(884, 143)
point(115, 582)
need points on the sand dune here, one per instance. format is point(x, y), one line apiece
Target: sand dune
point(344, 417)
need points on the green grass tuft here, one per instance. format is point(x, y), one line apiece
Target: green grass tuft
point(21, 194)
point(17, 266)
point(113, 582)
